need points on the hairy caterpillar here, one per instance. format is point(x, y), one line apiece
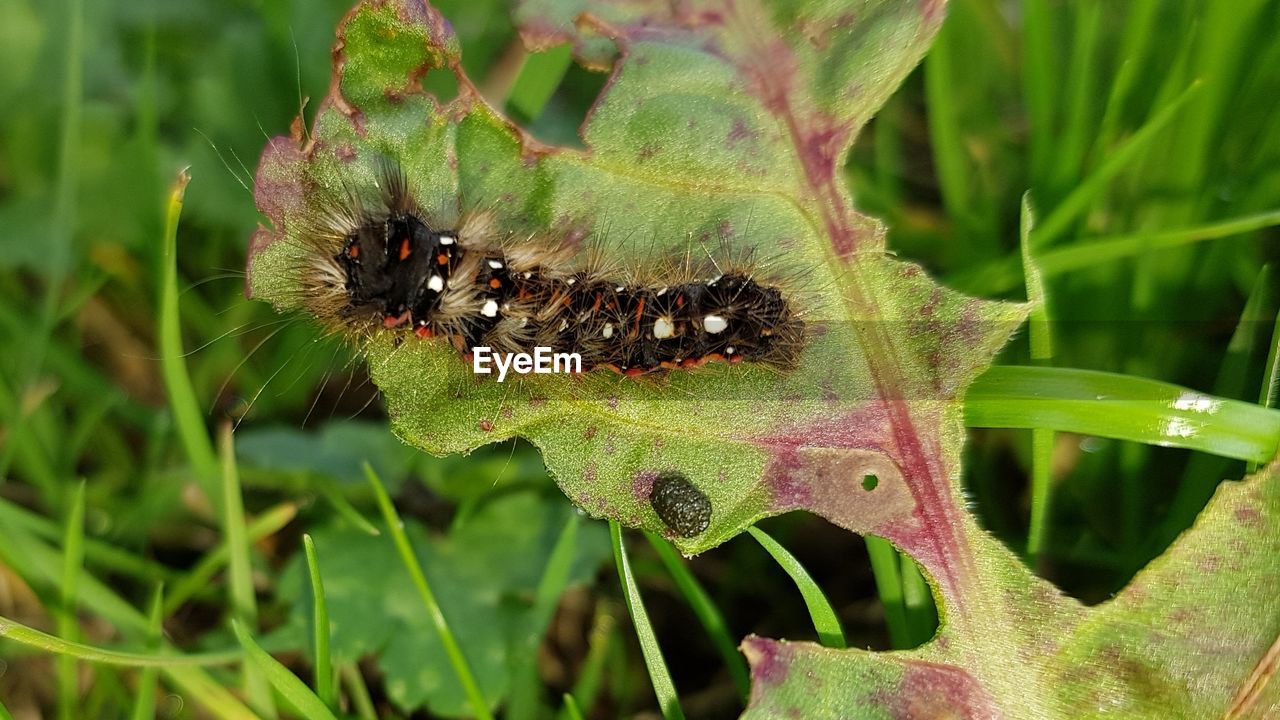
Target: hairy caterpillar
point(379, 265)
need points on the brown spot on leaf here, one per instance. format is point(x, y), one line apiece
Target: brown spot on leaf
point(642, 484)
point(1248, 516)
point(932, 691)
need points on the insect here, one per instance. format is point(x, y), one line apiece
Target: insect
point(382, 266)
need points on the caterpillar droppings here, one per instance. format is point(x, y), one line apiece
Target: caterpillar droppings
point(680, 505)
point(381, 265)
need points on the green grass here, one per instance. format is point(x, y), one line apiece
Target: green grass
point(457, 659)
point(1144, 132)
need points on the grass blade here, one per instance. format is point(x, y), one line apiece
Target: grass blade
point(329, 489)
point(1040, 80)
point(1041, 340)
point(242, 600)
point(68, 622)
point(524, 664)
point(144, 704)
point(539, 77)
point(1270, 392)
point(885, 567)
point(706, 611)
point(922, 617)
point(208, 693)
point(571, 710)
point(173, 368)
point(37, 563)
point(1078, 200)
point(197, 579)
point(319, 627)
point(459, 661)
point(591, 676)
point(1005, 274)
point(58, 246)
point(1204, 472)
point(285, 682)
point(1122, 407)
point(663, 688)
point(950, 156)
point(825, 621)
point(95, 551)
point(1071, 145)
point(358, 692)
point(31, 637)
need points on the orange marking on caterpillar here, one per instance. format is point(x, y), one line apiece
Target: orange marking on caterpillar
point(635, 330)
point(405, 249)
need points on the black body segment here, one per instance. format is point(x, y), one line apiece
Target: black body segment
point(470, 288)
point(397, 267)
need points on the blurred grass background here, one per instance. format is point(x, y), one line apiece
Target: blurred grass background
point(1146, 131)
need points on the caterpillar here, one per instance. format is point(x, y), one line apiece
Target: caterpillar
point(380, 265)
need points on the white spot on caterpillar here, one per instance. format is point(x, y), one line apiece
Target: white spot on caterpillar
point(563, 324)
point(663, 328)
point(495, 264)
point(714, 324)
point(447, 239)
point(620, 288)
point(527, 275)
point(571, 281)
point(729, 350)
point(607, 332)
point(490, 308)
point(436, 283)
point(715, 280)
point(662, 292)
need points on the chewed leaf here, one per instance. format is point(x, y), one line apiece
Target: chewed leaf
point(722, 132)
point(1195, 635)
point(736, 153)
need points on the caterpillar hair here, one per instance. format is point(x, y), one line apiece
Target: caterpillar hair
point(377, 264)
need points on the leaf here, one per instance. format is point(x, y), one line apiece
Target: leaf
point(485, 574)
point(725, 122)
point(1186, 639)
point(734, 150)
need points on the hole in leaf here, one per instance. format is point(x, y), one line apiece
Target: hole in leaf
point(567, 108)
point(869, 482)
point(441, 83)
point(1100, 532)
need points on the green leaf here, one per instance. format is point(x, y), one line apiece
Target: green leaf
point(485, 574)
point(731, 121)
